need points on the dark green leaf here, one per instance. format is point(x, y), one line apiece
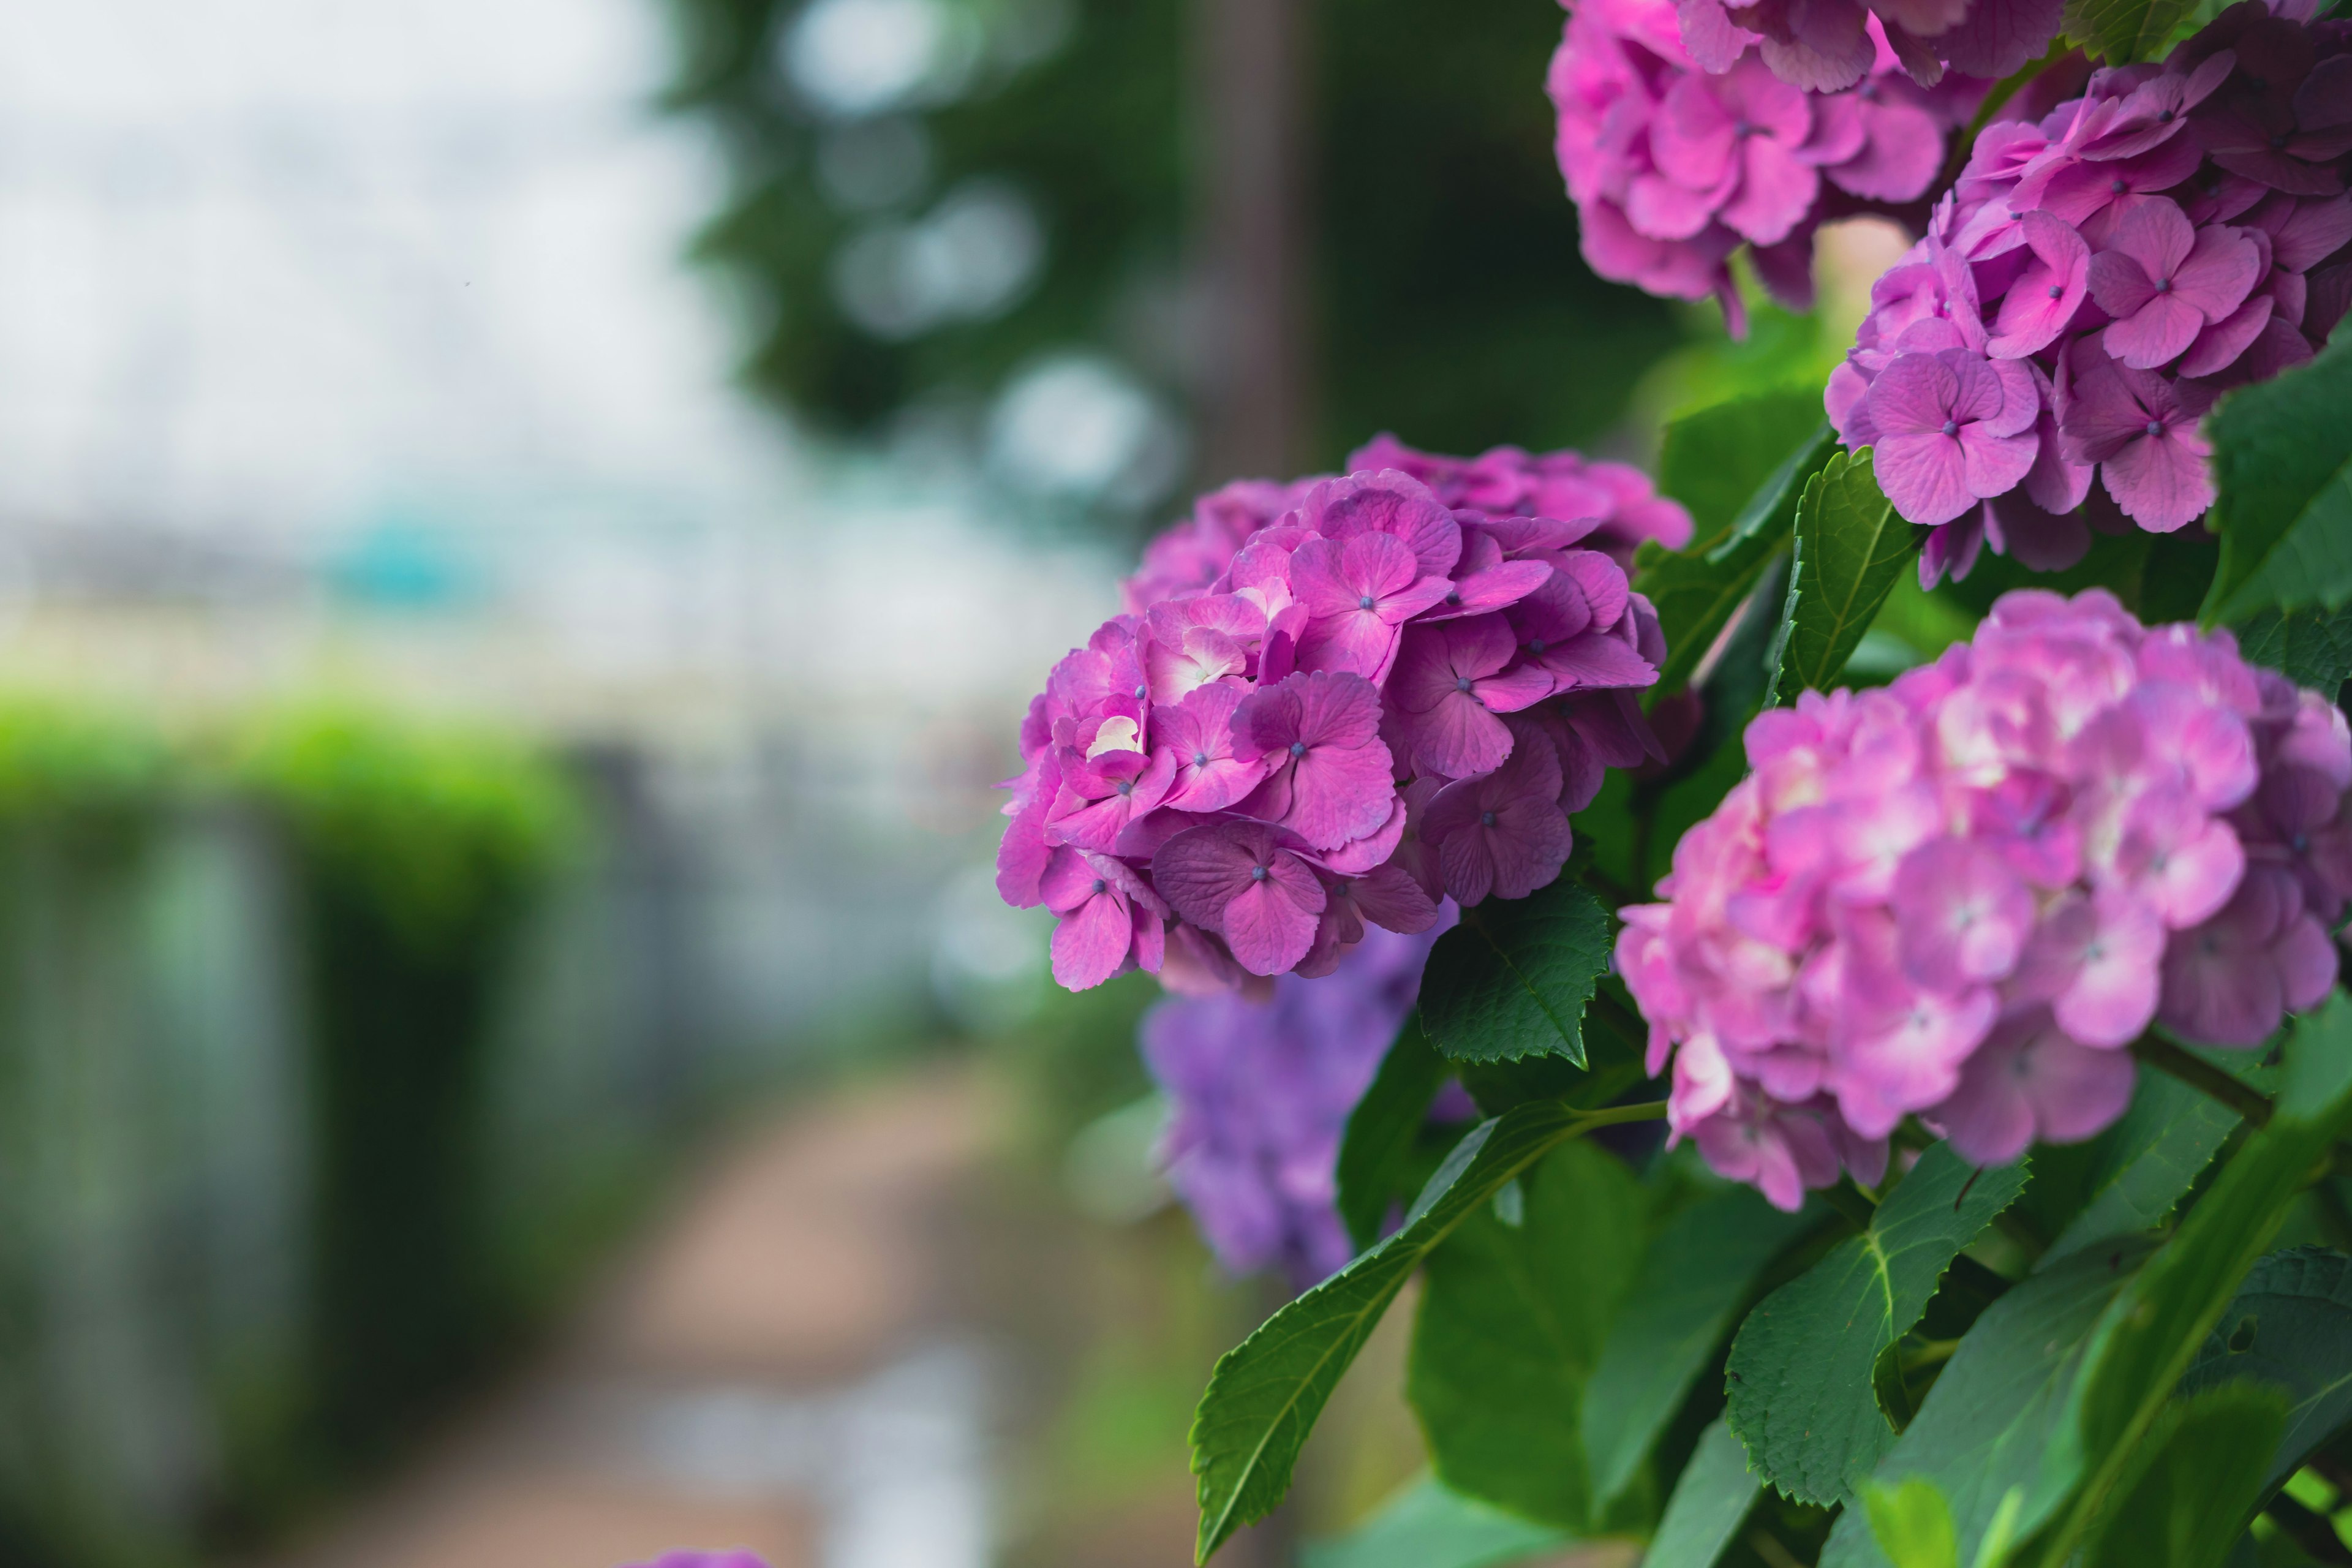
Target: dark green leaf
point(1850, 548)
point(1512, 980)
point(1722, 462)
point(2289, 1326)
point(1512, 1319)
point(2123, 32)
point(2282, 456)
point(1696, 594)
point(2190, 1503)
point(1427, 1526)
point(2137, 1171)
point(2162, 1320)
point(1987, 1427)
point(1266, 1392)
point(1384, 1130)
point(1699, 1269)
point(1801, 1369)
point(1711, 1501)
point(2312, 647)
point(2318, 1060)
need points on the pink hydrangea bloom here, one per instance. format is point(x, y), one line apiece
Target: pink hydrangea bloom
point(1377, 699)
point(2119, 261)
point(1961, 896)
point(704, 1559)
point(1681, 139)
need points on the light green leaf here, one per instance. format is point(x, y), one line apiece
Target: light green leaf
point(1912, 1524)
point(1266, 1392)
point(2123, 32)
point(1801, 1369)
point(2161, 1322)
point(1511, 1321)
point(1426, 1526)
point(1383, 1131)
point(2189, 1504)
point(2289, 1327)
point(2312, 647)
point(1987, 1427)
point(1710, 1502)
point(2283, 456)
point(1851, 547)
point(1700, 1268)
point(2138, 1169)
point(1512, 980)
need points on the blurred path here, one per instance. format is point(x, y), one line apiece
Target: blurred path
point(790, 1366)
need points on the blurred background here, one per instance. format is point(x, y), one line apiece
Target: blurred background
point(526, 528)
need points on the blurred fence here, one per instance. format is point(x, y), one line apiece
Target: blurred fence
point(324, 1065)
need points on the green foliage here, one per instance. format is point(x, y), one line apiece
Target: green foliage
point(61, 758)
point(1723, 460)
point(2312, 647)
point(2202, 1480)
point(1514, 978)
point(1801, 1368)
point(1512, 1319)
point(1710, 1500)
point(2130, 1177)
point(1265, 1393)
point(1698, 1271)
point(1991, 1422)
point(2123, 32)
point(2162, 1320)
point(1912, 1524)
point(2282, 456)
point(1385, 1130)
point(1851, 547)
point(2318, 1060)
point(2290, 1327)
point(437, 827)
point(1426, 1526)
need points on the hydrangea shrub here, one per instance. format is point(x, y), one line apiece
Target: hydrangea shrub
point(1937, 1158)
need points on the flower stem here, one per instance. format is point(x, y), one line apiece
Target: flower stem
point(2204, 1077)
point(1648, 1110)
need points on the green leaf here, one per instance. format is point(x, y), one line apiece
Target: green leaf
point(1850, 548)
point(1721, 461)
point(1266, 1392)
point(1710, 1502)
point(1512, 1319)
point(2312, 647)
point(2162, 1320)
point(2289, 1327)
point(1801, 1369)
point(1512, 980)
point(1426, 1526)
point(2282, 456)
point(1383, 1131)
point(2138, 1169)
point(2123, 32)
point(2190, 1505)
point(1987, 1425)
point(1698, 1271)
point(1912, 1524)
point(2318, 1060)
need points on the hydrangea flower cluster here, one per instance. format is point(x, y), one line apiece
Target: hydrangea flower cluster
point(1825, 46)
point(704, 1559)
point(1510, 481)
point(1964, 895)
point(1377, 702)
point(2097, 279)
point(1678, 145)
point(1259, 1093)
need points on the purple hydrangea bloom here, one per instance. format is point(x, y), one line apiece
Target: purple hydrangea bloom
point(1336, 715)
point(2119, 260)
point(1259, 1092)
point(704, 1559)
point(1682, 139)
point(1961, 896)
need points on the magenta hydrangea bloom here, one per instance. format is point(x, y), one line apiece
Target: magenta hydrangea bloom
point(1259, 1092)
point(1961, 896)
point(704, 1559)
point(2118, 261)
point(1382, 697)
point(1682, 139)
